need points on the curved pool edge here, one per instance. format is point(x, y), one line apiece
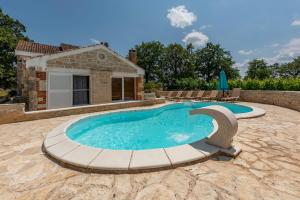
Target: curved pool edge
point(59, 146)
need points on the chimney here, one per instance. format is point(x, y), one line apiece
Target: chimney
point(132, 56)
point(105, 44)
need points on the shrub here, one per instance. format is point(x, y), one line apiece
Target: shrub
point(3, 93)
point(292, 84)
point(151, 86)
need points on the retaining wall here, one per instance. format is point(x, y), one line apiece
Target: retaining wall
point(10, 113)
point(287, 99)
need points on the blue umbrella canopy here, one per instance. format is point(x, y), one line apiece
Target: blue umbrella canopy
point(223, 84)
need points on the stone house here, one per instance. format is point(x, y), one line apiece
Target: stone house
point(67, 75)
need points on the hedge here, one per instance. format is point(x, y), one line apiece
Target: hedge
point(267, 84)
point(291, 84)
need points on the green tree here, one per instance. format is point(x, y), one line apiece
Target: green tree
point(258, 69)
point(292, 69)
point(211, 59)
point(177, 64)
point(11, 31)
point(149, 57)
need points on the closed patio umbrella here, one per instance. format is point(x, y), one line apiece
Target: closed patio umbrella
point(223, 84)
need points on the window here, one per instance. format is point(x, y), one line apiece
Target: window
point(81, 92)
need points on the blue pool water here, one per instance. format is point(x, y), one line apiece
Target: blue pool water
point(162, 127)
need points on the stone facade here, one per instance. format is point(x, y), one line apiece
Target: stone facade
point(102, 64)
point(99, 60)
point(101, 86)
point(139, 87)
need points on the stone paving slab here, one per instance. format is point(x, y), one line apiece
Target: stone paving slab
point(182, 154)
point(81, 156)
point(268, 167)
point(60, 149)
point(50, 141)
point(112, 160)
point(145, 159)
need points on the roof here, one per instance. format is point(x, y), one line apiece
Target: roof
point(34, 47)
point(41, 60)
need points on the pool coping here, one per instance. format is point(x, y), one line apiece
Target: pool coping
point(59, 146)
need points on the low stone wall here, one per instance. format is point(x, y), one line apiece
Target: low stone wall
point(10, 113)
point(287, 99)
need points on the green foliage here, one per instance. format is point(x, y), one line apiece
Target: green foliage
point(149, 57)
point(175, 66)
point(11, 31)
point(151, 86)
point(258, 69)
point(211, 59)
point(290, 84)
point(191, 84)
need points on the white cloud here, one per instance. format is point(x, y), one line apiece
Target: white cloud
point(180, 17)
point(203, 27)
point(95, 41)
point(242, 66)
point(197, 38)
point(275, 45)
point(287, 52)
point(245, 53)
point(296, 22)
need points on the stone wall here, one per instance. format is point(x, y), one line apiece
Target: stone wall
point(11, 113)
point(41, 89)
point(22, 76)
point(101, 87)
point(100, 59)
point(287, 99)
point(139, 87)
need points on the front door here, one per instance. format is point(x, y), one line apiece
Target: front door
point(81, 93)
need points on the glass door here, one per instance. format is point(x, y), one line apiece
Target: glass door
point(81, 92)
point(128, 88)
point(116, 85)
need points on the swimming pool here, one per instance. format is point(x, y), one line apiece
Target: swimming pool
point(163, 127)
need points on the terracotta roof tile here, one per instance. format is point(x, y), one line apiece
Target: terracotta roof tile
point(43, 48)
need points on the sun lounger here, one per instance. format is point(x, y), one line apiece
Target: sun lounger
point(199, 95)
point(212, 96)
point(234, 96)
point(178, 95)
point(188, 95)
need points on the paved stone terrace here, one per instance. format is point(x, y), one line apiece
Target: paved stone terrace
point(268, 167)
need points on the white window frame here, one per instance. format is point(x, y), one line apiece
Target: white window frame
point(69, 72)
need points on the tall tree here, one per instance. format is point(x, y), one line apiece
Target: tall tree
point(211, 59)
point(11, 31)
point(177, 63)
point(258, 69)
point(149, 57)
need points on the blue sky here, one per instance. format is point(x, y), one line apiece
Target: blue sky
point(267, 29)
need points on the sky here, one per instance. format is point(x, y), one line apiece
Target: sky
point(249, 29)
